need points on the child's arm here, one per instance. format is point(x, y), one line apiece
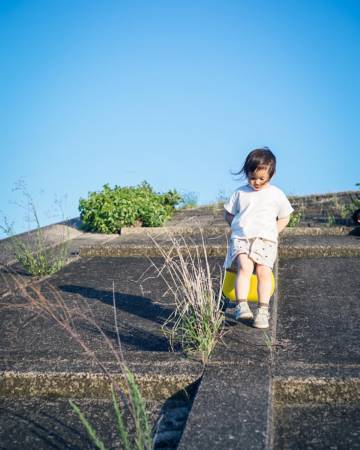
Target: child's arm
point(228, 217)
point(281, 223)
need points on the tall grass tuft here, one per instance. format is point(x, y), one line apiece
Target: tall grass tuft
point(32, 251)
point(197, 321)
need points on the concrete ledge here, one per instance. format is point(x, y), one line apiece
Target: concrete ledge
point(219, 250)
point(94, 244)
point(53, 235)
point(88, 385)
point(316, 390)
point(318, 231)
point(318, 251)
point(230, 409)
point(144, 250)
point(177, 230)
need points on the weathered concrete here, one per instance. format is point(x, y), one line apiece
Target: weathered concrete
point(155, 384)
point(312, 426)
point(42, 366)
point(216, 246)
point(257, 387)
point(52, 236)
point(310, 358)
point(231, 409)
point(85, 287)
point(316, 379)
point(318, 316)
point(183, 223)
point(320, 209)
point(37, 423)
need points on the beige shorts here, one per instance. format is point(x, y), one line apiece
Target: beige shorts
point(260, 250)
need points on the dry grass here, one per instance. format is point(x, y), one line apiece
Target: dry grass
point(197, 321)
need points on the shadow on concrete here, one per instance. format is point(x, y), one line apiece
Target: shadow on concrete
point(134, 337)
point(234, 323)
point(41, 431)
point(173, 417)
point(133, 304)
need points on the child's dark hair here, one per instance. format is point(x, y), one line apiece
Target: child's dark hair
point(356, 216)
point(260, 158)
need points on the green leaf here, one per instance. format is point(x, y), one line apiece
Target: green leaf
point(90, 430)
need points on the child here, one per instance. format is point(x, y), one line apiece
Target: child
point(257, 212)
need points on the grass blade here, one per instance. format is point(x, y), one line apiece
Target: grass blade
point(90, 430)
point(124, 437)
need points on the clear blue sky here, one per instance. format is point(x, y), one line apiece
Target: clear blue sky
point(175, 93)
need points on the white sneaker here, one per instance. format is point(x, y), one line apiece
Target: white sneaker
point(261, 318)
point(242, 311)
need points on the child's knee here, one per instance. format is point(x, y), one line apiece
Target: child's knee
point(244, 263)
point(263, 271)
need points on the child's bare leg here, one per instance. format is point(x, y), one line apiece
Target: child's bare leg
point(242, 282)
point(264, 284)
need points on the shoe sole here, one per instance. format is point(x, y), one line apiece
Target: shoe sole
point(259, 325)
point(244, 316)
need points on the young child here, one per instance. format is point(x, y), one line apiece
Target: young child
point(257, 212)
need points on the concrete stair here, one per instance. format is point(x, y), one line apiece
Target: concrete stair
point(294, 386)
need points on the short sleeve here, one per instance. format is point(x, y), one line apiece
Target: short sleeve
point(231, 205)
point(285, 208)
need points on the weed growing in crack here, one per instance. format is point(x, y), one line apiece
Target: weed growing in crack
point(197, 321)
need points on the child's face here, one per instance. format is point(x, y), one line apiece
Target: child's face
point(259, 179)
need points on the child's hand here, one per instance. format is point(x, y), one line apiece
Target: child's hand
point(228, 217)
point(281, 223)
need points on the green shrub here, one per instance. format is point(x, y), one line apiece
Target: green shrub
point(109, 210)
point(294, 219)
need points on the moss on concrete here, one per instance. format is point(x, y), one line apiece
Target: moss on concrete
point(316, 390)
point(87, 385)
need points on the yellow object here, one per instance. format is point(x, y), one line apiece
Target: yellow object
point(228, 289)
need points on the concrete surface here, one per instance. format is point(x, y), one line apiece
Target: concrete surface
point(309, 376)
point(293, 386)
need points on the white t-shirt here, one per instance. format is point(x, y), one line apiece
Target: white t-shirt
point(256, 212)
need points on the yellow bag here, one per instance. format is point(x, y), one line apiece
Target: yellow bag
point(228, 289)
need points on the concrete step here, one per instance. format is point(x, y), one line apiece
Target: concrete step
point(38, 423)
point(316, 374)
point(298, 385)
point(254, 378)
point(291, 244)
point(42, 366)
point(85, 287)
point(317, 426)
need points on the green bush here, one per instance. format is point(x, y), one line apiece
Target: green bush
point(295, 219)
point(109, 210)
